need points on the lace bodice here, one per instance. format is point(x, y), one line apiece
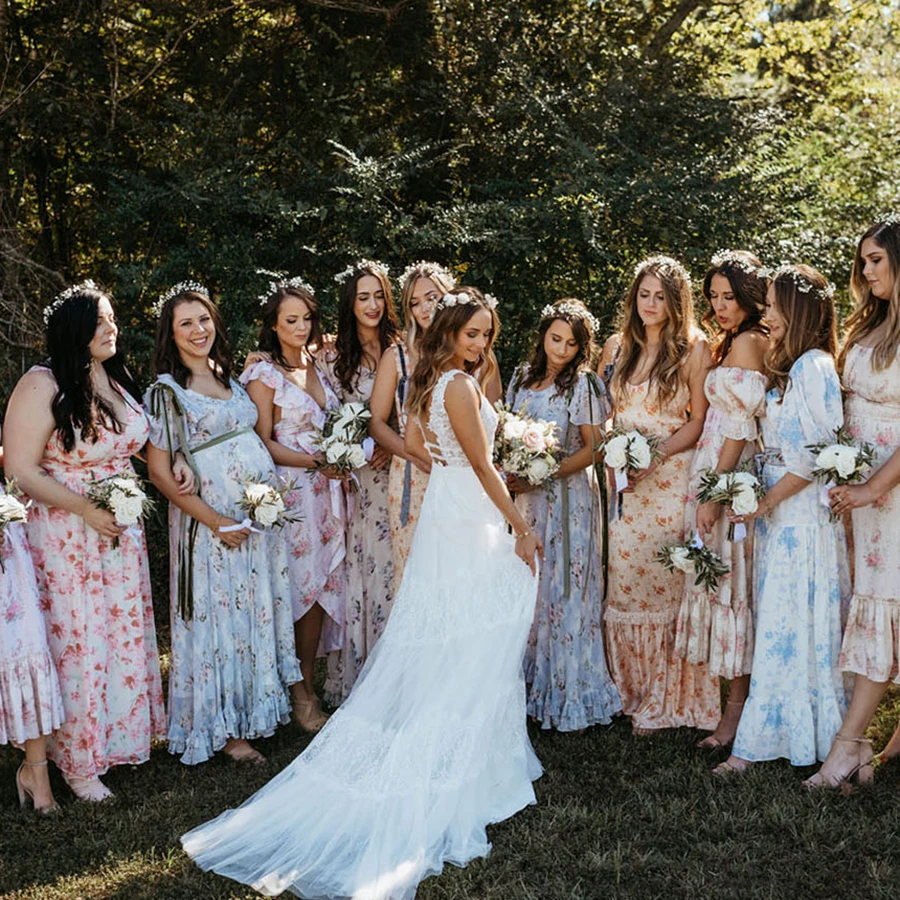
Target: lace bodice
point(447, 449)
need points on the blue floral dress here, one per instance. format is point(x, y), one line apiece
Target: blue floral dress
point(233, 655)
point(801, 580)
point(565, 663)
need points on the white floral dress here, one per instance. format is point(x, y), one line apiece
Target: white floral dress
point(801, 580)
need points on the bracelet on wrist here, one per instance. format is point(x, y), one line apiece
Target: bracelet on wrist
point(523, 534)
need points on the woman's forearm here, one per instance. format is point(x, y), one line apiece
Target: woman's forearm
point(44, 488)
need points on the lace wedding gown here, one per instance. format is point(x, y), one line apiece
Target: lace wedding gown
point(431, 745)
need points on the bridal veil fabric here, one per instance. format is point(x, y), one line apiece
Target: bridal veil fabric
point(431, 745)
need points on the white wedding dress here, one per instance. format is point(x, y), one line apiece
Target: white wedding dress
point(431, 745)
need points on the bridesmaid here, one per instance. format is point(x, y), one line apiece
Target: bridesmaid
point(367, 327)
point(565, 665)
point(871, 647)
point(31, 706)
point(71, 420)
point(422, 285)
point(660, 360)
point(291, 397)
point(796, 699)
point(232, 631)
point(717, 629)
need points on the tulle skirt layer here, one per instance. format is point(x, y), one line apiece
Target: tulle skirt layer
point(431, 745)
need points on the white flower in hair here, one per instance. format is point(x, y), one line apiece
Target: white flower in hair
point(888, 218)
point(372, 264)
point(801, 282)
point(280, 281)
point(60, 299)
point(733, 258)
point(425, 269)
point(461, 298)
point(176, 289)
point(570, 311)
point(491, 301)
point(666, 264)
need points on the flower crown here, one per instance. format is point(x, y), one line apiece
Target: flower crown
point(801, 282)
point(464, 299)
point(60, 299)
point(372, 264)
point(888, 218)
point(733, 258)
point(176, 289)
point(423, 269)
point(279, 282)
point(570, 311)
point(665, 264)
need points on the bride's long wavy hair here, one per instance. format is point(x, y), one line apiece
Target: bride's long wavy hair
point(438, 345)
point(677, 336)
point(870, 311)
point(810, 322)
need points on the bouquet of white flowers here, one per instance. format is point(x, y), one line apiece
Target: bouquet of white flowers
point(264, 505)
point(628, 451)
point(344, 438)
point(692, 558)
point(124, 497)
point(842, 462)
point(525, 447)
point(740, 490)
point(12, 509)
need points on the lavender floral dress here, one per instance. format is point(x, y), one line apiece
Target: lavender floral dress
point(370, 566)
point(565, 664)
point(233, 656)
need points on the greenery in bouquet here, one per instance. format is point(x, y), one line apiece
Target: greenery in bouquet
point(526, 447)
point(741, 490)
point(692, 558)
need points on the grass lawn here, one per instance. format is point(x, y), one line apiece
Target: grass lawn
point(617, 816)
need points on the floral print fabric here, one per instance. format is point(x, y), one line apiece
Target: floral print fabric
point(233, 659)
point(658, 688)
point(565, 664)
point(872, 639)
point(315, 543)
point(30, 702)
point(797, 699)
point(717, 628)
point(97, 606)
point(370, 566)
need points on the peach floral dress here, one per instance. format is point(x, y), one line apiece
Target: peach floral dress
point(99, 613)
point(717, 628)
point(871, 644)
point(658, 688)
point(406, 482)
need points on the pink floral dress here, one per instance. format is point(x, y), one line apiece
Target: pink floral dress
point(871, 644)
point(99, 613)
point(658, 688)
point(30, 702)
point(717, 628)
point(316, 542)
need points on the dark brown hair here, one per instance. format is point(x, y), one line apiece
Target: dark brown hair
point(536, 371)
point(749, 289)
point(268, 338)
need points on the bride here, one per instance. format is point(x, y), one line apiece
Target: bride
point(431, 745)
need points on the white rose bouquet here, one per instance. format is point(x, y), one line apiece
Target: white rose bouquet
point(628, 451)
point(12, 509)
point(264, 505)
point(842, 462)
point(692, 558)
point(124, 497)
point(740, 490)
point(526, 447)
point(344, 439)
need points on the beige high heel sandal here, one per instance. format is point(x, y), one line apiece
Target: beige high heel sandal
point(863, 771)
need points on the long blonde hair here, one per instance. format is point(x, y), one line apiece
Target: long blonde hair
point(871, 311)
point(438, 345)
point(443, 281)
point(678, 334)
point(804, 301)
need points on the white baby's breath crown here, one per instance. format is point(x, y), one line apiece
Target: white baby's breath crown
point(888, 218)
point(734, 258)
point(425, 269)
point(666, 264)
point(372, 264)
point(280, 281)
point(176, 289)
point(462, 298)
point(801, 282)
point(570, 311)
point(60, 299)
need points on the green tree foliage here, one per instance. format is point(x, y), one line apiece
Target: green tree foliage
point(539, 147)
